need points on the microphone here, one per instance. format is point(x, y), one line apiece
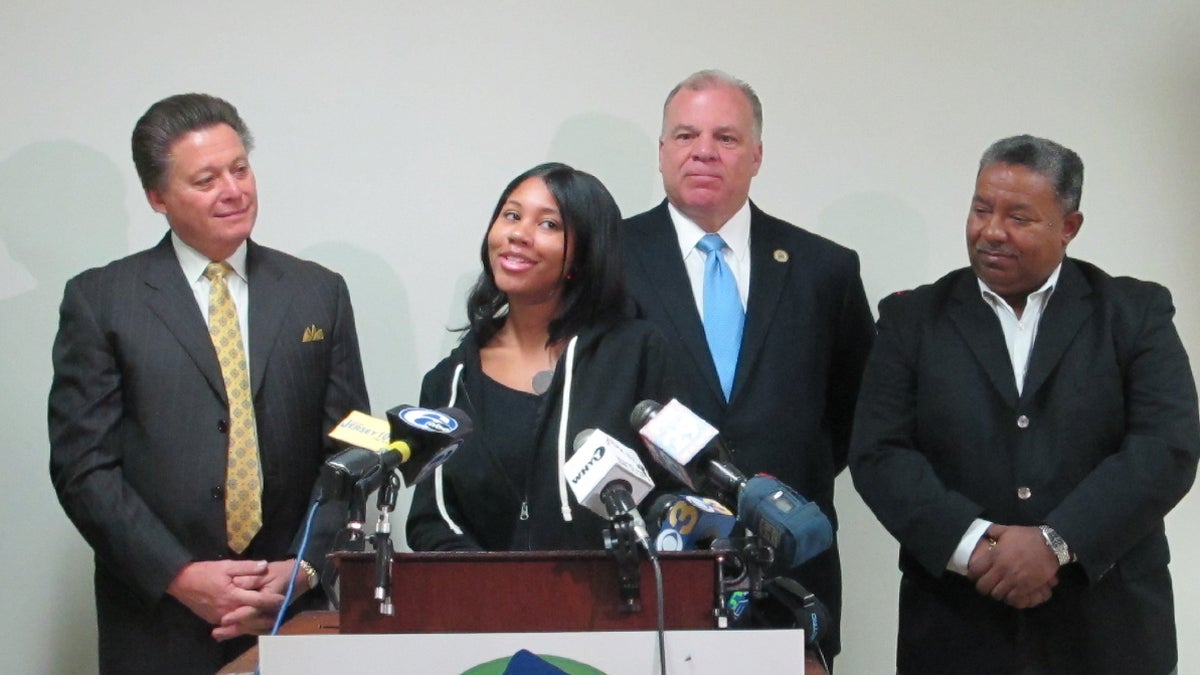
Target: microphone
point(418, 440)
point(354, 469)
point(609, 479)
point(795, 527)
point(688, 522)
point(425, 438)
point(786, 604)
point(687, 446)
point(692, 450)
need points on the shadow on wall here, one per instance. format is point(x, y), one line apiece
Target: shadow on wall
point(891, 237)
point(892, 240)
point(451, 335)
point(616, 151)
point(383, 317)
point(61, 211)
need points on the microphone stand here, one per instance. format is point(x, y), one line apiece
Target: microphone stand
point(758, 555)
point(621, 542)
point(351, 538)
point(382, 541)
point(742, 576)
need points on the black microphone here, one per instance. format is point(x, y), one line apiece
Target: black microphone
point(354, 470)
point(425, 438)
point(609, 479)
point(421, 439)
point(691, 449)
point(786, 604)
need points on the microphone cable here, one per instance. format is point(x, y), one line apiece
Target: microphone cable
point(662, 623)
point(291, 587)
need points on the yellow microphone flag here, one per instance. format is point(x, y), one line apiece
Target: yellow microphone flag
point(364, 431)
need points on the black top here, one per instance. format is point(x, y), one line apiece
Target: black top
point(504, 414)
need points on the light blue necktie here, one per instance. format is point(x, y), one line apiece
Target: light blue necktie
point(723, 314)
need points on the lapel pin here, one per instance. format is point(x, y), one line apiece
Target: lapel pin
point(781, 255)
point(313, 334)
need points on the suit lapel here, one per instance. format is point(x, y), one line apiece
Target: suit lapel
point(658, 255)
point(269, 304)
point(172, 300)
point(1060, 322)
point(768, 274)
point(981, 330)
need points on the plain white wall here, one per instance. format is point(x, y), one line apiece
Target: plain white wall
point(386, 131)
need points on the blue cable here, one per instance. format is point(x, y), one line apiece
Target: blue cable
point(287, 598)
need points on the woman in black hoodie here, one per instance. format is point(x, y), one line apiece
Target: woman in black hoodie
point(550, 351)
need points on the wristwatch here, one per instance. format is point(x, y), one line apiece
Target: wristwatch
point(1057, 544)
point(310, 573)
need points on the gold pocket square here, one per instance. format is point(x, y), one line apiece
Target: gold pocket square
point(313, 334)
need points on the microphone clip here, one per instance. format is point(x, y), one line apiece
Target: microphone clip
point(622, 543)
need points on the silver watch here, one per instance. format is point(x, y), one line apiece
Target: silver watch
point(1057, 544)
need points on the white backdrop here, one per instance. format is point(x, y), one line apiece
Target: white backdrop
point(386, 131)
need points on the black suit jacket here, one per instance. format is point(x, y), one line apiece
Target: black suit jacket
point(1100, 444)
point(138, 434)
point(807, 334)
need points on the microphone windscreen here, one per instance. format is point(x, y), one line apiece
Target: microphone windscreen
point(659, 508)
point(581, 438)
point(794, 526)
point(642, 412)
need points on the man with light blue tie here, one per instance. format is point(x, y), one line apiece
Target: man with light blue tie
point(772, 322)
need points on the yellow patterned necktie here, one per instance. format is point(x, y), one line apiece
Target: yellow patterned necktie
point(243, 475)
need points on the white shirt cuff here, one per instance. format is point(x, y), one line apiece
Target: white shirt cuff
point(966, 546)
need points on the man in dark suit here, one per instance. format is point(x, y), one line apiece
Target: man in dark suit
point(143, 425)
point(1024, 426)
point(782, 387)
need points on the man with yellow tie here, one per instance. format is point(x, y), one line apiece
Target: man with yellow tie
point(194, 383)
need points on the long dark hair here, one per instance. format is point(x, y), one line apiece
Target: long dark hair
point(594, 291)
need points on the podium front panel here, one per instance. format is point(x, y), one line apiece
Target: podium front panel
point(460, 592)
point(692, 652)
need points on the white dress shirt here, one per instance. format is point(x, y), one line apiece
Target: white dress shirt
point(736, 234)
point(194, 263)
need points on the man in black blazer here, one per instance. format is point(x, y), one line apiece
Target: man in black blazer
point(1024, 426)
point(140, 420)
point(807, 326)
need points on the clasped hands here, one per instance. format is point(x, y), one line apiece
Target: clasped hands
point(1014, 565)
point(239, 597)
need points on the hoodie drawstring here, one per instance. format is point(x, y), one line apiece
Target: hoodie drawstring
point(569, 366)
point(439, 491)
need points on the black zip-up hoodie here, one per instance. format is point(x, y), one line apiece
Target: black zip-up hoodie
point(471, 503)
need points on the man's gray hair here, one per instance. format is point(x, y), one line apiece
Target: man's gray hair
point(1061, 165)
point(707, 79)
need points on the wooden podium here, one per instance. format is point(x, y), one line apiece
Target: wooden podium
point(454, 611)
point(457, 592)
